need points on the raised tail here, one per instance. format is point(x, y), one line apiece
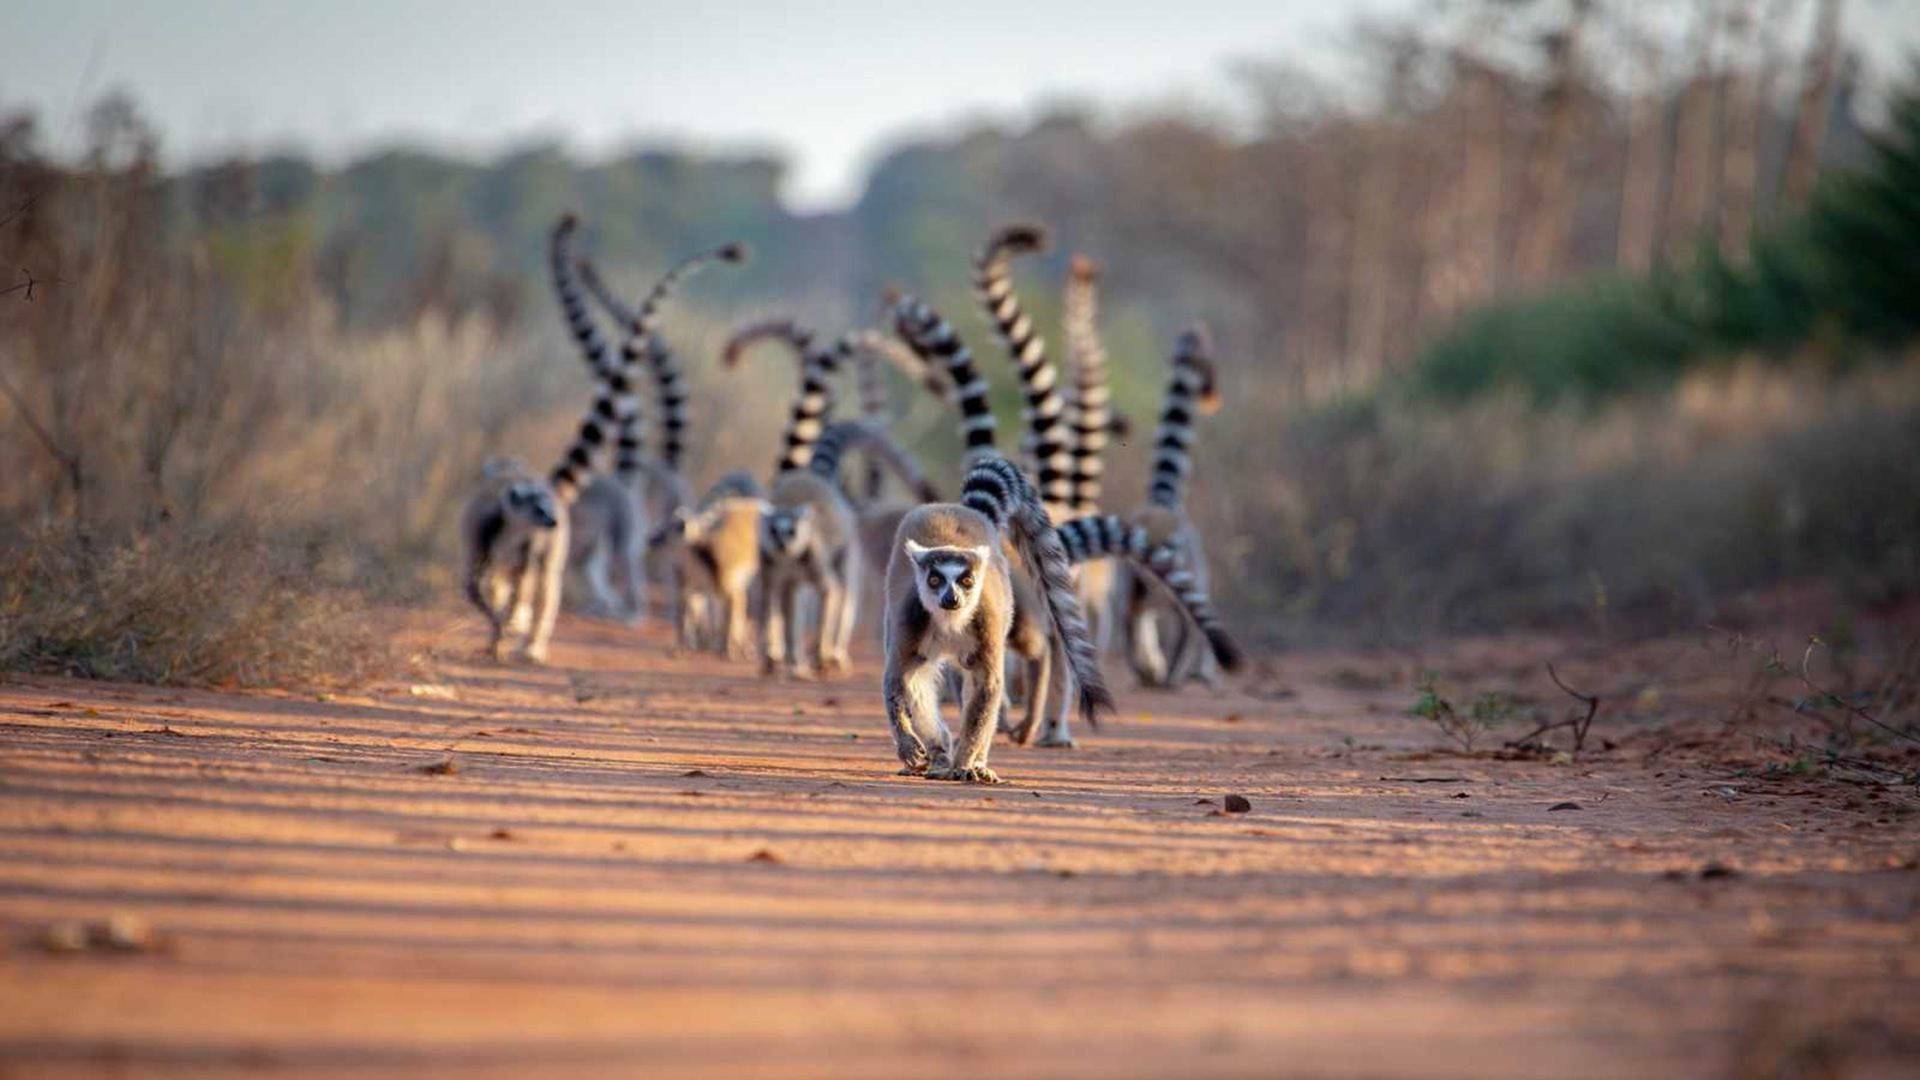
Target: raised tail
point(640, 340)
point(1191, 391)
point(879, 345)
point(840, 437)
point(1046, 408)
point(1101, 536)
point(1093, 419)
point(932, 339)
point(593, 348)
point(998, 489)
point(817, 367)
point(610, 409)
point(615, 375)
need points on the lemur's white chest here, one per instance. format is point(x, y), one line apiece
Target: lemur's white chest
point(949, 636)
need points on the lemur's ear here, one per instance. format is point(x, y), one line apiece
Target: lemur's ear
point(916, 552)
point(980, 554)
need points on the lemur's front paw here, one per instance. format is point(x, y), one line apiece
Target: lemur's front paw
point(834, 665)
point(801, 672)
point(969, 774)
point(1057, 740)
point(531, 655)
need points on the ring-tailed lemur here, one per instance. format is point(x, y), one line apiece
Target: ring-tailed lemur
point(969, 582)
point(717, 548)
point(807, 532)
point(516, 530)
point(1191, 391)
point(1097, 537)
point(1045, 410)
point(1092, 420)
point(608, 522)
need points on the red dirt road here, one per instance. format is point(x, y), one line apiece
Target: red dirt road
point(643, 865)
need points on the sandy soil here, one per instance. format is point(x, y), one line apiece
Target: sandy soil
point(626, 863)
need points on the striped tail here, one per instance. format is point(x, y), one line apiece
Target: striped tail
point(1105, 535)
point(815, 400)
point(1046, 408)
point(1190, 392)
point(607, 413)
point(874, 409)
point(877, 345)
point(845, 435)
point(616, 375)
point(593, 348)
point(932, 339)
point(640, 340)
point(998, 489)
point(1093, 418)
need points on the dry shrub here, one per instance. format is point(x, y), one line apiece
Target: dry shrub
point(1382, 518)
point(182, 606)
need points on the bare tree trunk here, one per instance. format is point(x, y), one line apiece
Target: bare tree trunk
point(1696, 167)
point(1816, 95)
point(1541, 249)
point(1370, 271)
point(1320, 320)
point(1740, 133)
point(1646, 163)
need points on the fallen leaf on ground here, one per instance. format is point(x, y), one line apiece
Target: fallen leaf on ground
point(443, 767)
point(764, 856)
point(1237, 804)
point(1563, 806)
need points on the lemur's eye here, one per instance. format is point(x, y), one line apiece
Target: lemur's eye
point(966, 581)
point(933, 581)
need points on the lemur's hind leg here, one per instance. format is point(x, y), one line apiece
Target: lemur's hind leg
point(630, 556)
point(849, 605)
point(488, 591)
point(1039, 669)
point(1057, 733)
point(913, 712)
point(799, 664)
point(597, 570)
point(773, 619)
point(1143, 638)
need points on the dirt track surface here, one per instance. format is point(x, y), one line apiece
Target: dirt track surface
point(637, 864)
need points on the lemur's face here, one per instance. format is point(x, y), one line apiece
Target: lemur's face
point(533, 502)
point(787, 532)
point(948, 577)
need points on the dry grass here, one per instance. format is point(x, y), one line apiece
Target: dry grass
point(207, 607)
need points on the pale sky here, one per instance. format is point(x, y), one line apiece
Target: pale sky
point(826, 84)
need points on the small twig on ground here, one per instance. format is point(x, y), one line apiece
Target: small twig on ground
point(1428, 779)
point(1575, 724)
point(1827, 696)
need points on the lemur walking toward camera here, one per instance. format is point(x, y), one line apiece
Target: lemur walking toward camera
point(1191, 391)
point(968, 582)
point(807, 530)
point(716, 548)
point(516, 533)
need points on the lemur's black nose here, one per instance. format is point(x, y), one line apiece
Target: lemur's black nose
point(950, 601)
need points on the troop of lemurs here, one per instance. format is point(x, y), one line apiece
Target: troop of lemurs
point(1022, 565)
